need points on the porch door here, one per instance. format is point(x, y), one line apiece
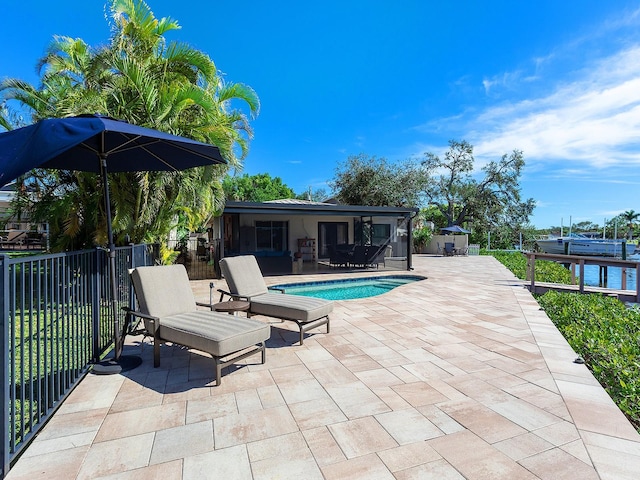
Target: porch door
point(331, 234)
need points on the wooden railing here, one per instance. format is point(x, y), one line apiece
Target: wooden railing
point(573, 261)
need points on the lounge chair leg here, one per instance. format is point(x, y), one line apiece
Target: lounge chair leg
point(264, 352)
point(218, 371)
point(156, 347)
point(301, 335)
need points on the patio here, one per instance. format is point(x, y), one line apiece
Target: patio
point(458, 376)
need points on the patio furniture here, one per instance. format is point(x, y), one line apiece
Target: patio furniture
point(231, 306)
point(245, 281)
point(360, 256)
point(449, 249)
point(376, 255)
point(169, 311)
point(340, 257)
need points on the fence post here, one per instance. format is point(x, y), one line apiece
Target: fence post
point(95, 304)
point(532, 273)
point(637, 282)
point(132, 265)
point(4, 355)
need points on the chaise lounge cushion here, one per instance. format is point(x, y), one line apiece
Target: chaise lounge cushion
point(216, 333)
point(165, 293)
point(293, 307)
point(245, 280)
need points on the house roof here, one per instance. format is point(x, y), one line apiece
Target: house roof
point(305, 207)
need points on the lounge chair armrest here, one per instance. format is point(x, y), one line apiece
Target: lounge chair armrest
point(277, 289)
point(154, 320)
point(232, 295)
point(142, 315)
point(204, 304)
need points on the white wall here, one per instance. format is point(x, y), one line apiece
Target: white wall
point(306, 226)
point(459, 241)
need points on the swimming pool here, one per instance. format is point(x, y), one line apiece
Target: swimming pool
point(348, 289)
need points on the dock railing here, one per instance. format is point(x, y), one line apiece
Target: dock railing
point(56, 321)
point(579, 262)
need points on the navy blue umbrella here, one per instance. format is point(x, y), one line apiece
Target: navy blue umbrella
point(454, 229)
point(91, 143)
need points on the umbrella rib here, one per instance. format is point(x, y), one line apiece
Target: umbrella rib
point(159, 159)
point(124, 147)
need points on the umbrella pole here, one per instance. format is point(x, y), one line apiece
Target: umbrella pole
point(112, 260)
point(119, 362)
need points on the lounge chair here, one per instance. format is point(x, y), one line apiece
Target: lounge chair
point(245, 282)
point(169, 310)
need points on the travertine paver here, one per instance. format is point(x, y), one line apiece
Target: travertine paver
point(457, 376)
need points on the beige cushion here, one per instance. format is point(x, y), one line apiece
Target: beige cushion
point(163, 291)
point(243, 276)
point(292, 307)
point(216, 333)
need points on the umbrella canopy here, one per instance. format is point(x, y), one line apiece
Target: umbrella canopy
point(77, 143)
point(454, 229)
point(94, 143)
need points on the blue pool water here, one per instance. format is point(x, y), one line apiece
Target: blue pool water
point(348, 289)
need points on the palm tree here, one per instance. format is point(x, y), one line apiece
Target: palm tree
point(630, 216)
point(143, 79)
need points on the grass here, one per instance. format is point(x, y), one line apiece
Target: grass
point(604, 332)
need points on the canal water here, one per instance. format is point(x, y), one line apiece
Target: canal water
point(614, 277)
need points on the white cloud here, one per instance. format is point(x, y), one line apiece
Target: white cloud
point(593, 121)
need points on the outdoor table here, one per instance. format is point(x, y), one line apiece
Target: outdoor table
point(231, 306)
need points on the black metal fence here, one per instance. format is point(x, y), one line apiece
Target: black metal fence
point(56, 321)
point(200, 258)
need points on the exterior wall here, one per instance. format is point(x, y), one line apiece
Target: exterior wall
point(459, 241)
point(300, 226)
point(306, 226)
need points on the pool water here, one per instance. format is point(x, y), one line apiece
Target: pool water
point(348, 289)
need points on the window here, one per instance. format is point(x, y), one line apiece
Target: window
point(331, 234)
point(380, 233)
point(369, 233)
point(272, 236)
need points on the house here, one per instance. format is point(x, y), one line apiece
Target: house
point(18, 233)
point(287, 236)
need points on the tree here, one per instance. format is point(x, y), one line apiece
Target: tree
point(372, 181)
point(142, 78)
point(255, 188)
point(491, 202)
point(630, 217)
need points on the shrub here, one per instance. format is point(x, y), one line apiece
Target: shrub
point(545, 271)
point(606, 335)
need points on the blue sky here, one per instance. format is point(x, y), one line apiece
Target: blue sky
point(559, 80)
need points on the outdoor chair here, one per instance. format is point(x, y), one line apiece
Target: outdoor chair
point(449, 249)
point(339, 257)
point(169, 311)
point(246, 282)
point(376, 255)
point(360, 256)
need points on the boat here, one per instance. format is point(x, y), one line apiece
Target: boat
point(582, 245)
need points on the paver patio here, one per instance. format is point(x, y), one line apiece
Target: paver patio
point(458, 376)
